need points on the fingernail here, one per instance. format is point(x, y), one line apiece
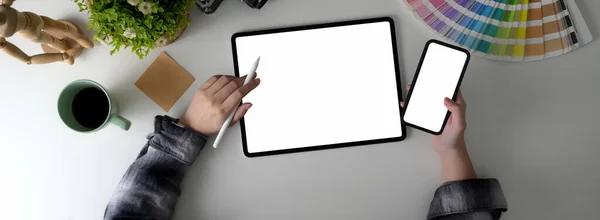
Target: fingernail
point(447, 100)
point(248, 106)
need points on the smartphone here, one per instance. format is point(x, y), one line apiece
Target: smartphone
point(438, 75)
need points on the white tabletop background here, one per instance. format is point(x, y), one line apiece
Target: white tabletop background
point(534, 126)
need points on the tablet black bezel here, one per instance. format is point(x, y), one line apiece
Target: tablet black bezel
point(320, 26)
point(414, 83)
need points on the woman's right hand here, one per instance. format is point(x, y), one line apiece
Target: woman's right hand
point(453, 136)
point(450, 145)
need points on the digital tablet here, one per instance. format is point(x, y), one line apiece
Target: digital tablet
point(322, 86)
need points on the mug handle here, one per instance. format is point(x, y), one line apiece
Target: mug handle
point(119, 121)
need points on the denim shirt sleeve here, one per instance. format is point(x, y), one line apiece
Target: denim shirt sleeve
point(151, 186)
point(480, 199)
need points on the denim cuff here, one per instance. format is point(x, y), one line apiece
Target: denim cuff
point(464, 196)
point(180, 142)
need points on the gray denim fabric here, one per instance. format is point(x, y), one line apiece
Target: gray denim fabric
point(480, 199)
point(151, 186)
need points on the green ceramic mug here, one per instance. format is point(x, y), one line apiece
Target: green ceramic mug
point(85, 106)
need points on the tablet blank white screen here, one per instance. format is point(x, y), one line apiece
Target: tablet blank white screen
point(321, 87)
point(437, 79)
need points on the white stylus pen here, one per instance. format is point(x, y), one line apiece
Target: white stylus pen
point(228, 121)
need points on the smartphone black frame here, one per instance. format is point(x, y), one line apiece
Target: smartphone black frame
point(414, 84)
point(320, 26)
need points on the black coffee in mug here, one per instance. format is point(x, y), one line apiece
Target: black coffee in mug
point(90, 107)
point(86, 107)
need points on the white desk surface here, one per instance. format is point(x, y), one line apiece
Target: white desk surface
point(534, 126)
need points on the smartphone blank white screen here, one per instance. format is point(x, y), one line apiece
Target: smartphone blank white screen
point(438, 78)
point(321, 87)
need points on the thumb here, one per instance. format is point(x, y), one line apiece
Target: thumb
point(451, 105)
point(456, 110)
point(241, 111)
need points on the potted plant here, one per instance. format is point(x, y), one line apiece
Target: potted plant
point(140, 24)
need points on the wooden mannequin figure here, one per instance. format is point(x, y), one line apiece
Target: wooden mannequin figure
point(61, 40)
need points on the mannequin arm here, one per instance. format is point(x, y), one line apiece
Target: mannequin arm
point(17, 53)
point(51, 24)
point(51, 58)
point(13, 51)
point(44, 38)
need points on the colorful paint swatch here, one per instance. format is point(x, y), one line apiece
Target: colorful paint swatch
point(509, 30)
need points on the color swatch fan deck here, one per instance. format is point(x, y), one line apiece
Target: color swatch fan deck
point(509, 30)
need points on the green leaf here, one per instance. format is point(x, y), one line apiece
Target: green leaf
point(110, 18)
